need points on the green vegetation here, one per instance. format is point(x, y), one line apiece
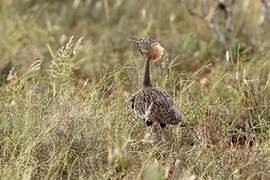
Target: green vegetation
point(68, 70)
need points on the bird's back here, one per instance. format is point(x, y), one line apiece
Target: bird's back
point(155, 105)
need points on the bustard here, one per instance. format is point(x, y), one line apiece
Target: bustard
point(149, 103)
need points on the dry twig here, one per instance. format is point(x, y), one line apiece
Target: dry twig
point(264, 12)
point(208, 17)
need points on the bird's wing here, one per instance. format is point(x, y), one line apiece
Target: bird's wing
point(138, 106)
point(156, 105)
point(164, 109)
point(167, 97)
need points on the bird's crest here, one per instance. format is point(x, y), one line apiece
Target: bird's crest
point(148, 47)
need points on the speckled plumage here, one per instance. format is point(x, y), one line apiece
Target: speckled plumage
point(154, 105)
point(149, 103)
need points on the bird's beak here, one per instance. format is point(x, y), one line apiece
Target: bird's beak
point(134, 41)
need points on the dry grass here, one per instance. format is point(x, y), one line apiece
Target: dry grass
point(64, 106)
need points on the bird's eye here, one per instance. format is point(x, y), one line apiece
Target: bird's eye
point(155, 44)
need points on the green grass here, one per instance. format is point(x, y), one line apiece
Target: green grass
point(65, 112)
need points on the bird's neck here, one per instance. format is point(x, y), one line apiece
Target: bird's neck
point(146, 78)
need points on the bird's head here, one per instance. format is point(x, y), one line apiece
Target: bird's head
point(149, 48)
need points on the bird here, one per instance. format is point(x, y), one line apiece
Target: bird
point(150, 103)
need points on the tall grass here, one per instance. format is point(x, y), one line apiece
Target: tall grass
point(64, 109)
